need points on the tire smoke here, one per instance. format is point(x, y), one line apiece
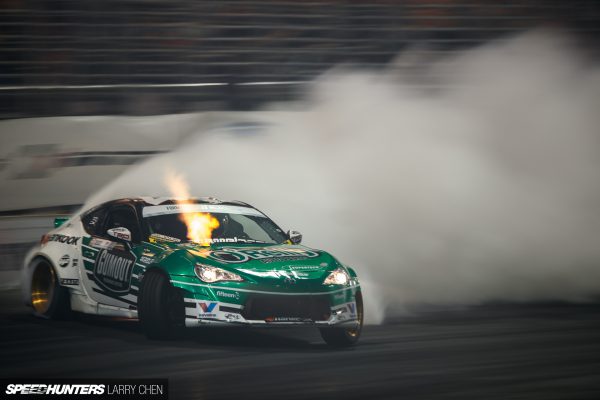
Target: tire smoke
point(460, 180)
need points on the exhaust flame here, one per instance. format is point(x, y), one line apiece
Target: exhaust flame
point(199, 225)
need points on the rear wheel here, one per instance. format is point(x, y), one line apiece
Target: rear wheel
point(48, 298)
point(345, 337)
point(160, 306)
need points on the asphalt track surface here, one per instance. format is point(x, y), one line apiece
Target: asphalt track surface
point(485, 352)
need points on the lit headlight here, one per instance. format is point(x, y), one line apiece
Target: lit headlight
point(209, 274)
point(337, 277)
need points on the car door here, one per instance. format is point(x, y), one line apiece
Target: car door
point(109, 262)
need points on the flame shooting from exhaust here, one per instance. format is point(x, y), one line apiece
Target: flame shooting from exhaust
point(199, 225)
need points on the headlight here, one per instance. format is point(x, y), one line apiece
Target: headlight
point(209, 274)
point(337, 277)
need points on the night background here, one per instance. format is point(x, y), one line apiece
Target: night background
point(449, 150)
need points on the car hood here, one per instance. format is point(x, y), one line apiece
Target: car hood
point(262, 262)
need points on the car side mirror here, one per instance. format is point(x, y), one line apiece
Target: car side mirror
point(295, 237)
point(121, 233)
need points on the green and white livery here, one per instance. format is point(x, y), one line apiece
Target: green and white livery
point(132, 258)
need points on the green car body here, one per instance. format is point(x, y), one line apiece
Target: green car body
point(129, 271)
point(291, 272)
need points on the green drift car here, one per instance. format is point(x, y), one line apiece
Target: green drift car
point(132, 258)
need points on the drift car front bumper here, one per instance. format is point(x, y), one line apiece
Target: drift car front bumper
point(199, 313)
point(207, 305)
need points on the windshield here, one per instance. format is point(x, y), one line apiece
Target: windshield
point(235, 224)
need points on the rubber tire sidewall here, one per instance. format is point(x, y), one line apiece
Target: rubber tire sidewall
point(153, 308)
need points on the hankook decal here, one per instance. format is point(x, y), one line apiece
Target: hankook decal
point(63, 239)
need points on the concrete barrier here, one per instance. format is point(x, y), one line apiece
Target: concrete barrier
point(46, 162)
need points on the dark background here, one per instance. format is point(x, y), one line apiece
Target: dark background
point(137, 57)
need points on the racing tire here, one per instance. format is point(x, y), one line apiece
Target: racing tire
point(160, 307)
point(48, 299)
point(345, 337)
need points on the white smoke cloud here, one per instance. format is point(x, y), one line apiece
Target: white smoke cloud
point(485, 187)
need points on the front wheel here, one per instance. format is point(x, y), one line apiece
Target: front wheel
point(345, 337)
point(160, 306)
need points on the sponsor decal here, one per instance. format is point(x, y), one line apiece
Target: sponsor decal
point(233, 240)
point(55, 237)
point(120, 233)
point(113, 271)
point(147, 257)
point(69, 282)
point(157, 238)
point(151, 211)
point(233, 295)
point(102, 243)
point(234, 256)
point(207, 309)
point(227, 256)
point(233, 316)
point(287, 276)
point(305, 267)
point(280, 259)
point(287, 319)
point(75, 262)
point(64, 261)
point(146, 260)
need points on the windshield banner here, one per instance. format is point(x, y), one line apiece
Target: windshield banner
point(152, 211)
